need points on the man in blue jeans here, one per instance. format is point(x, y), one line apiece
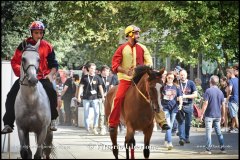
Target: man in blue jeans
point(232, 99)
point(212, 107)
point(189, 92)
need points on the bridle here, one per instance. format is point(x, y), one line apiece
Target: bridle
point(26, 75)
point(147, 99)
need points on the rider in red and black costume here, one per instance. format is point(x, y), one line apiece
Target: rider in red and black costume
point(47, 68)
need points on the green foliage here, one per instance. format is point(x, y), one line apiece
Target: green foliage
point(83, 31)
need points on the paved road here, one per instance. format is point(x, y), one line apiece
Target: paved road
point(75, 143)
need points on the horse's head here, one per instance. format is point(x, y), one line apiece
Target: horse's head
point(29, 65)
point(153, 80)
point(155, 83)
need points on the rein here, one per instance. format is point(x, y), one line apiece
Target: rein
point(141, 92)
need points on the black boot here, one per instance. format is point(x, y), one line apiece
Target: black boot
point(6, 129)
point(165, 127)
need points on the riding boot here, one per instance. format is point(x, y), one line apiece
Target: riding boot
point(53, 125)
point(6, 129)
point(161, 120)
point(9, 116)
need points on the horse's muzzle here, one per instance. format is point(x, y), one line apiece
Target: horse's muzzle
point(32, 81)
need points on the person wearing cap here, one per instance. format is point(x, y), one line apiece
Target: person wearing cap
point(47, 68)
point(177, 70)
point(125, 59)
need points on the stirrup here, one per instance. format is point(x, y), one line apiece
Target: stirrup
point(7, 129)
point(53, 128)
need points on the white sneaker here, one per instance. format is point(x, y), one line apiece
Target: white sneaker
point(235, 130)
point(95, 131)
point(103, 131)
point(224, 129)
point(170, 146)
point(223, 152)
point(165, 144)
point(206, 152)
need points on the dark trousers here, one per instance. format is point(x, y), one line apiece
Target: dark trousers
point(9, 116)
point(67, 109)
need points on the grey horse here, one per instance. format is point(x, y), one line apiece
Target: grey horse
point(32, 107)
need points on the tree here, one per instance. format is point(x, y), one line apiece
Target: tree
point(84, 31)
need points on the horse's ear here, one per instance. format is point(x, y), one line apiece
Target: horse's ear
point(37, 45)
point(162, 70)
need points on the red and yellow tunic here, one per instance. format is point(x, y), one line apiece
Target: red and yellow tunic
point(128, 56)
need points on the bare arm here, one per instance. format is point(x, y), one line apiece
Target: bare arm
point(180, 99)
point(204, 107)
point(80, 92)
point(192, 96)
point(101, 91)
point(223, 112)
point(229, 91)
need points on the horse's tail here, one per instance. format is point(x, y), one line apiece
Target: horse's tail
point(48, 147)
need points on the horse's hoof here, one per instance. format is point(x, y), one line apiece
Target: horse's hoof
point(146, 153)
point(37, 157)
point(115, 153)
point(24, 154)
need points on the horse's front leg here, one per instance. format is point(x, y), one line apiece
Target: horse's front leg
point(130, 142)
point(113, 135)
point(40, 140)
point(147, 136)
point(47, 147)
point(25, 150)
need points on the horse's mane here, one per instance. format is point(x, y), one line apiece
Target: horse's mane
point(139, 72)
point(30, 48)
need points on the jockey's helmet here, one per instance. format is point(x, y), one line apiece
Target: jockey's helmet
point(130, 30)
point(37, 25)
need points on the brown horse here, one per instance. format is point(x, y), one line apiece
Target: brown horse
point(137, 112)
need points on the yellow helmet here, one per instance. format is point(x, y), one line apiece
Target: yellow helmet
point(130, 30)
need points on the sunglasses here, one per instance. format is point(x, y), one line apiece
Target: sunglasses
point(170, 78)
